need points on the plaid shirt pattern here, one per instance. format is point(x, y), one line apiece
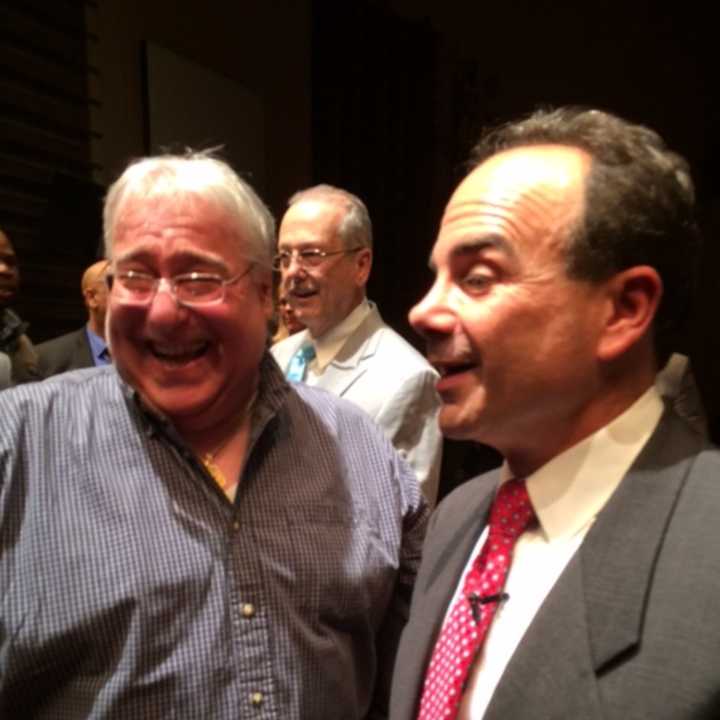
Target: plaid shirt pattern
point(130, 587)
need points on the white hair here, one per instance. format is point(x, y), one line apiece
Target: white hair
point(195, 174)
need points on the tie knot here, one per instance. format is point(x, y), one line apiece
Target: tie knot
point(299, 362)
point(512, 510)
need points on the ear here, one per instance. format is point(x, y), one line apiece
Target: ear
point(633, 297)
point(89, 296)
point(363, 264)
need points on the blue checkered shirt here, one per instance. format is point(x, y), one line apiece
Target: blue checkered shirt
point(130, 587)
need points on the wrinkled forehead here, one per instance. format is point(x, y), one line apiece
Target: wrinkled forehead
point(518, 196)
point(555, 173)
point(162, 215)
point(310, 221)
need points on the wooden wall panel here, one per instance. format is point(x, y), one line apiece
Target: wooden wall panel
point(49, 205)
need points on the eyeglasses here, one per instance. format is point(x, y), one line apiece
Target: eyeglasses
point(309, 257)
point(188, 289)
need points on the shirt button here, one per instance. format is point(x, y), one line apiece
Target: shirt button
point(236, 525)
point(248, 610)
point(256, 699)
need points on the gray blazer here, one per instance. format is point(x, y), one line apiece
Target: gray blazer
point(67, 352)
point(631, 629)
point(392, 382)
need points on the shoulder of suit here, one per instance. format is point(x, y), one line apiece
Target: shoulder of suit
point(59, 341)
point(464, 500)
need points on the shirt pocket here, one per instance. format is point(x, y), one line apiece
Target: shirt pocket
point(339, 569)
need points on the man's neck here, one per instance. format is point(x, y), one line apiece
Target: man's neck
point(96, 327)
point(545, 444)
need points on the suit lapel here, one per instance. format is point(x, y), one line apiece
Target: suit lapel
point(82, 354)
point(593, 616)
point(350, 363)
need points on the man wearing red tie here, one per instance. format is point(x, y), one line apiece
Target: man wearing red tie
point(580, 580)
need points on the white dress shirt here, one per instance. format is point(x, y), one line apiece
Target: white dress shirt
point(567, 493)
point(329, 345)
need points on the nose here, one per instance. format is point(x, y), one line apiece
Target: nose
point(433, 315)
point(294, 268)
point(164, 308)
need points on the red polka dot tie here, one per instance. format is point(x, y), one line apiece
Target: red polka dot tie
point(462, 635)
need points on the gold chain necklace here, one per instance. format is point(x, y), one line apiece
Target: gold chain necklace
point(212, 468)
point(208, 459)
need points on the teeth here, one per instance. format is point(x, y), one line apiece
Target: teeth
point(177, 350)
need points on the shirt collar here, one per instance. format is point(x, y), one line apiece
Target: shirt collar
point(97, 347)
point(327, 346)
point(570, 490)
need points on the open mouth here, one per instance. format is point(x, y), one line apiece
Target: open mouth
point(178, 354)
point(302, 292)
point(450, 369)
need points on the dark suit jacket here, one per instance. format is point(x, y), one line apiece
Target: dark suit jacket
point(631, 629)
point(67, 352)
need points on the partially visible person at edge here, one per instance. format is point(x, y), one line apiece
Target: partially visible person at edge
point(287, 322)
point(183, 533)
point(19, 362)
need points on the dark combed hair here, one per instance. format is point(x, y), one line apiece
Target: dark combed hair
point(639, 204)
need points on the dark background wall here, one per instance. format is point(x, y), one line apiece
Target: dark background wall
point(382, 97)
point(74, 111)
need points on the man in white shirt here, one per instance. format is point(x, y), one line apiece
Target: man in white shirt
point(564, 266)
point(325, 256)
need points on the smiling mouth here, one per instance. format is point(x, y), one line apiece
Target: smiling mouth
point(448, 369)
point(303, 293)
point(178, 354)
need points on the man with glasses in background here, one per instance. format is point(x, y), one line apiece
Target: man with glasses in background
point(324, 257)
point(185, 534)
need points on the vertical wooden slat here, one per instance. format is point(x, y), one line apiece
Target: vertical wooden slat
point(49, 204)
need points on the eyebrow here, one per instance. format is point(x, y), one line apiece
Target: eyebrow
point(142, 255)
point(476, 245)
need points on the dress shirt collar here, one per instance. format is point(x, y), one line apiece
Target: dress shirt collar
point(327, 346)
point(569, 491)
point(98, 348)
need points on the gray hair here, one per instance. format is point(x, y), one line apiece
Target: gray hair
point(355, 228)
point(195, 174)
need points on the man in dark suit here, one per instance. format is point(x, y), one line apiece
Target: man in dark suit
point(564, 265)
point(85, 347)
